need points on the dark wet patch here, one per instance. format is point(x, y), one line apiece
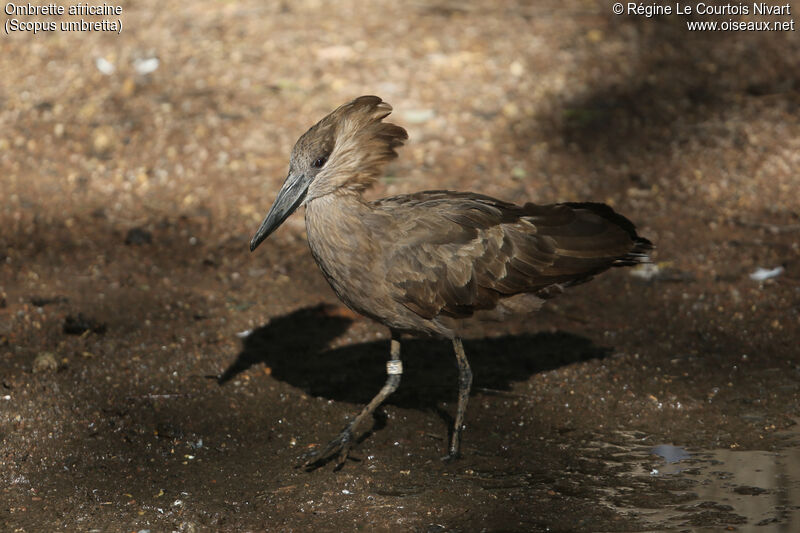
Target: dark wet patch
point(138, 237)
point(750, 491)
point(710, 514)
point(39, 301)
point(80, 324)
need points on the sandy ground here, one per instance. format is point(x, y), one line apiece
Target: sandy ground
point(129, 401)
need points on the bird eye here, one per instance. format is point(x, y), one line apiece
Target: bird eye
point(320, 162)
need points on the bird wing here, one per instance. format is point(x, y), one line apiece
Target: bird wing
point(456, 253)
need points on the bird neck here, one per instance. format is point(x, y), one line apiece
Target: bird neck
point(341, 179)
point(337, 220)
point(341, 199)
point(342, 242)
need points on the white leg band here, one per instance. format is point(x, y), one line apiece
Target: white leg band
point(394, 367)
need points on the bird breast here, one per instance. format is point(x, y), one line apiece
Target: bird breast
point(350, 242)
point(346, 251)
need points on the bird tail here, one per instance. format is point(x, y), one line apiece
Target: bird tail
point(640, 252)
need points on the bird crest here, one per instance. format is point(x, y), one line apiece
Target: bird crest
point(352, 145)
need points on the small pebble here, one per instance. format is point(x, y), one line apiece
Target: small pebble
point(44, 362)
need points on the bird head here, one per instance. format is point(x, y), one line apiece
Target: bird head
point(346, 150)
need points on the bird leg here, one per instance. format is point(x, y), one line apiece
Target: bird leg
point(464, 385)
point(343, 442)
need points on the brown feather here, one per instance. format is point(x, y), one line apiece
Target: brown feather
point(355, 142)
point(511, 250)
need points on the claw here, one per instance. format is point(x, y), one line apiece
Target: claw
point(318, 457)
point(450, 457)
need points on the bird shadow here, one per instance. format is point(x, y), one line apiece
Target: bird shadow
point(295, 348)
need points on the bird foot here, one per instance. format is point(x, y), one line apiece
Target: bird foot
point(317, 457)
point(451, 456)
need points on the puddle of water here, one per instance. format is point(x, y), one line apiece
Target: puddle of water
point(672, 455)
point(762, 487)
point(667, 487)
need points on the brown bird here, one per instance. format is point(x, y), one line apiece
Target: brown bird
point(430, 262)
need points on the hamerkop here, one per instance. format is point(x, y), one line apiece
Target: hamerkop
point(429, 262)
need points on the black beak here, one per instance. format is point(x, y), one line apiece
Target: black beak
point(289, 198)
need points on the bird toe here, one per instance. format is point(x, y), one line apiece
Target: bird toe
point(450, 457)
point(338, 448)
